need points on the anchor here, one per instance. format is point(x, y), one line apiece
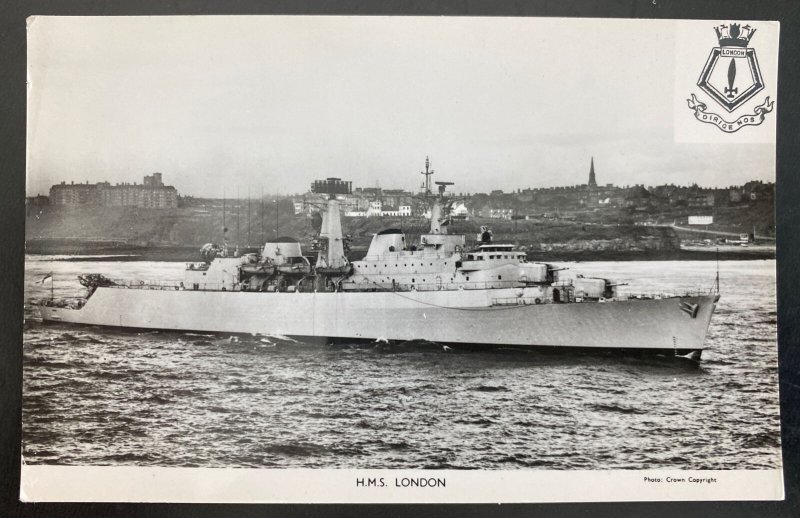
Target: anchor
point(730, 90)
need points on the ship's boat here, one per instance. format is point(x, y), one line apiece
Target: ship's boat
point(441, 289)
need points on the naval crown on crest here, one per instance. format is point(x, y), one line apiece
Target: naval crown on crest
point(732, 36)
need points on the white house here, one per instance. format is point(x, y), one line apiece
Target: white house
point(459, 210)
point(374, 208)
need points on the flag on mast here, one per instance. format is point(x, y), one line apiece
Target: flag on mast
point(48, 276)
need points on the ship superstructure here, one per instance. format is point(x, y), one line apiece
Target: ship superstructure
point(442, 288)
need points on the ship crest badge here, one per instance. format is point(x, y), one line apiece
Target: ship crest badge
point(731, 77)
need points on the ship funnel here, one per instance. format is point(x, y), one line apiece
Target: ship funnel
point(331, 254)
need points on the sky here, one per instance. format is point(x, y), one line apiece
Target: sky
point(220, 104)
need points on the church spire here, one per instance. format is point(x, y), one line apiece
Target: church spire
point(592, 179)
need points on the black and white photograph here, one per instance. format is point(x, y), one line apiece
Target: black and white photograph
point(400, 259)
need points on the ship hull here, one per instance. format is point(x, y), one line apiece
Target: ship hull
point(447, 317)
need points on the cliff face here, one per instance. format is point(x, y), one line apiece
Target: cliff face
point(193, 227)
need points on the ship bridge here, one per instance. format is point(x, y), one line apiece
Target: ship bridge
point(492, 255)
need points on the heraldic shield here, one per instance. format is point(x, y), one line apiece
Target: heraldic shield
point(731, 75)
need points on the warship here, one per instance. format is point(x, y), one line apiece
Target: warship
point(440, 289)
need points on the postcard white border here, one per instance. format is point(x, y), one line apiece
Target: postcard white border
point(46, 483)
point(238, 485)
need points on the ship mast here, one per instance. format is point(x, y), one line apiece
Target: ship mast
point(224, 225)
point(428, 172)
point(436, 210)
point(438, 201)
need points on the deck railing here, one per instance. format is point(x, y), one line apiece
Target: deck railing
point(147, 285)
point(662, 295)
point(430, 286)
point(531, 301)
point(173, 285)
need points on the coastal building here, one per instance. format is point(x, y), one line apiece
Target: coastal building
point(150, 194)
point(74, 194)
point(460, 211)
point(375, 208)
point(500, 213)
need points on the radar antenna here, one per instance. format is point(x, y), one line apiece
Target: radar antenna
point(442, 187)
